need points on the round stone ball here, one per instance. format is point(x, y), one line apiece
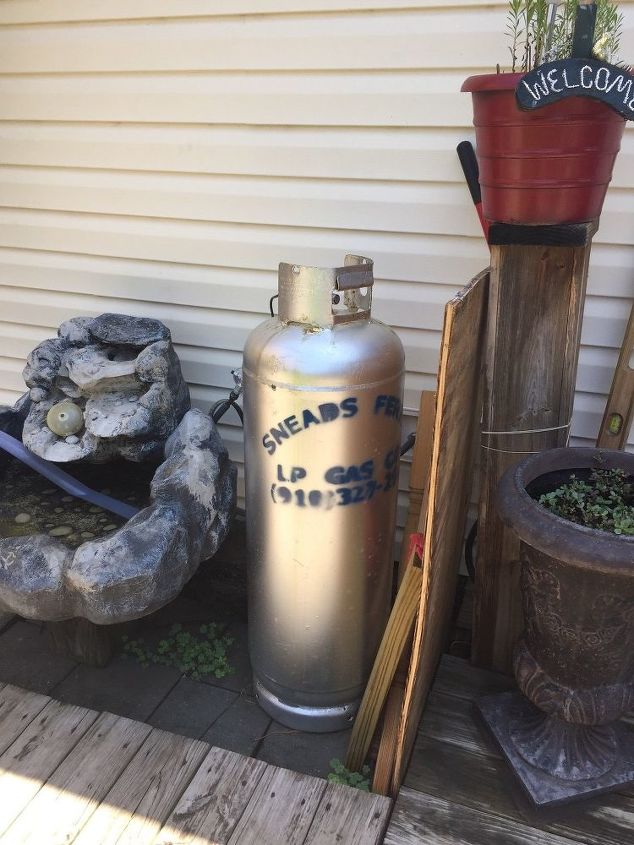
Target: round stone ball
point(65, 418)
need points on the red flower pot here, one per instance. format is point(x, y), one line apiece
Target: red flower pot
point(548, 166)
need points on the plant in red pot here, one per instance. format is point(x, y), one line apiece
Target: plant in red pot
point(548, 133)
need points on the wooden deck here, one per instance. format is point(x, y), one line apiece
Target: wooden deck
point(69, 774)
point(458, 790)
point(73, 775)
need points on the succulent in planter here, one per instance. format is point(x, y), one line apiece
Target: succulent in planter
point(574, 663)
point(604, 501)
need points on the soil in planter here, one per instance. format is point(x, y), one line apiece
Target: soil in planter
point(31, 504)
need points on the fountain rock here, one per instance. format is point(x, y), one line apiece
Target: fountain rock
point(123, 375)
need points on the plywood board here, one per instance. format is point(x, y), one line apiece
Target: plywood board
point(457, 414)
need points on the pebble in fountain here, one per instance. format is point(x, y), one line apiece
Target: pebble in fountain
point(105, 387)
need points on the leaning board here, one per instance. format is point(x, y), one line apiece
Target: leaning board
point(457, 415)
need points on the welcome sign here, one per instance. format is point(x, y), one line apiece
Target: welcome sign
point(563, 78)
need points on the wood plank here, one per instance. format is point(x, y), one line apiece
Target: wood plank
point(141, 800)
point(395, 637)
point(415, 523)
point(458, 677)
point(451, 720)
point(348, 815)
point(280, 810)
point(419, 471)
point(386, 755)
point(485, 783)
point(457, 414)
point(18, 708)
point(420, 818)
point(83, 641)
point(76, 788)
point(215, 800)
point(535, 306)
point(36, 753)
point(620, 402)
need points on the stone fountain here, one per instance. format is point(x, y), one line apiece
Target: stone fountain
point(107, 399)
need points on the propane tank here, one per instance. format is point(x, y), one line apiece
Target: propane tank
point(323, 389)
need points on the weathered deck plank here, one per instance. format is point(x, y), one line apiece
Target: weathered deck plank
point(215, 800)
point(37, 752)
point(420, 819)
point(281, 809)
point(456, 676)
point(141, 800)
point(17, 709)
point(72, 775)
point(481, 782)
point(72, 793)
point(459, 789)
point(341, 817)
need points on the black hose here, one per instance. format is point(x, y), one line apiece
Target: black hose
point(221, 407)
point(408, 444)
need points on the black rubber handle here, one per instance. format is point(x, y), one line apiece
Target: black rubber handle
point(469, 163)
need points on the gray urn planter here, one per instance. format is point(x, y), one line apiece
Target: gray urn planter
point(574, 664)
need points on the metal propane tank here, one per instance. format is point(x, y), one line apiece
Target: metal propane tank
point(323, 386)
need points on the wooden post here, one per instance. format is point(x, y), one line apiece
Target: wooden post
point(536, 296)
point(83, 641)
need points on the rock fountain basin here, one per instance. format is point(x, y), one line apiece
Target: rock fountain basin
point(108, 401)
point(134, 567)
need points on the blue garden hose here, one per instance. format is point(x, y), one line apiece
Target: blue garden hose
point(63, 479)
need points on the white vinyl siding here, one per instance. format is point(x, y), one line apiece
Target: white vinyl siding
point(160, 157)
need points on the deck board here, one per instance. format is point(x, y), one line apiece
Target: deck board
point(458, 788)
point(36, 753)
point(73, 775)
point(340, 817)
point(76, 788)
point(280, 810)
point(146, 792)
point(213, 804)
point(421, 819)
point(17, 711)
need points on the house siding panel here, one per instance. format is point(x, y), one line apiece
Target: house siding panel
point(161, 157)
